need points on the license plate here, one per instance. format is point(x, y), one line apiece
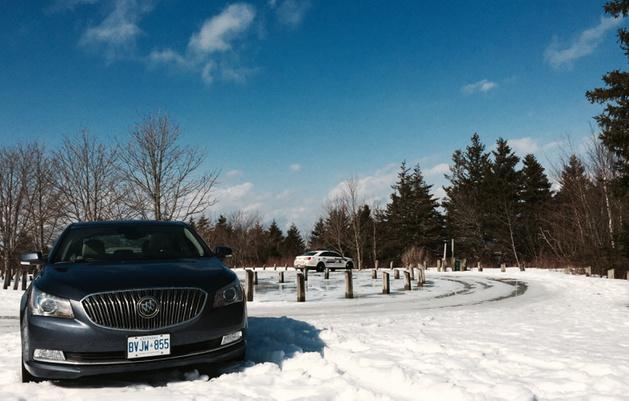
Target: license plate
point(143, 346)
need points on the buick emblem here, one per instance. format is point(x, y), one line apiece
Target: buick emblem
point(148, 307)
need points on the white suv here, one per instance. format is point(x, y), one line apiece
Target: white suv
point(319, 260)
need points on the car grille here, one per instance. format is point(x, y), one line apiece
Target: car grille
point(122, 309)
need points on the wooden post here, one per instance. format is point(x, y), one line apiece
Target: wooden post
point(588, 271)
point(263, 267)
point(326, 273)
point(285, 267)
point(522, 268)
point(17, 278)
point(396, 274)
point(7, 277)
point(301, 287)
point(423, 276)
point(374, 274)
point(438, 265)
point(464, 264)
point(391, 265)
point(305, 273)
point(274, 266)
point(255, 278)
point(479, 267)
point(411, 270)
point(420, 282)
point(611, 273)
point(376, 264)
point(503, 267)
point(280, 277)
point(407, 280)
point(349, 285)
point(385, 283)
point(249, 284)
point(628, 275)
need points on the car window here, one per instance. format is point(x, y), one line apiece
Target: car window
point(130, 242)
point(311, 253)
point(336, 255)
point(327, 254)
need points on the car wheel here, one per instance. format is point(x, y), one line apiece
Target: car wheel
point(349, 265)
point(320, 267)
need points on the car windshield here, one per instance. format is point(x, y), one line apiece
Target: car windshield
point(128, 242)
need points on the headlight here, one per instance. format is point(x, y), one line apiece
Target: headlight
point(228, 295)
point(43, 304)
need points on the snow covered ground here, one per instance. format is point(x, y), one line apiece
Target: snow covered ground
point(533, 335)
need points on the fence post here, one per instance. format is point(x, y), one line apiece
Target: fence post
point(7, 277)
point(255, 278)
point(411, 270)
point(280, 277)
point(274, 266)
point(522, 268)
point(301, 287)
point(17, 278)
point(385, 283)
point(503, 267)
point(376, 264)
point(479, 267)
point(349, 286)
point(627, 275)
point(407, 280)
point(396, 274)
point(305, 274)
point(438, 265)
point(420, 282)
point(24, 277)
point(588, 271)
point(374, 274)
point(285, 267)
point(249, 284)
point(611, 273)
point(263, 267)
point(391, 265)
point(326, 273)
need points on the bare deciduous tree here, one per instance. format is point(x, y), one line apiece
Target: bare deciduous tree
point(14, 213)
point(353, 202)
point(87, 179)
point(162, 175)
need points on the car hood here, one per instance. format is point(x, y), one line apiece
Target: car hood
point(76, 280)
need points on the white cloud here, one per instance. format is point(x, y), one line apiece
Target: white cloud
point(290, 12)
point(217, 33)
point(560, 55)
point(67, 5)
point(211, 51)
point(117, 33)
point(296, 167)
point(374, 188)
point(437, 170)
point(234, 173)
point(524, 145)
point(233, 194)
point(482, 86)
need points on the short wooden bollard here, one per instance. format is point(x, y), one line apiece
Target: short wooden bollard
point(411, 270)
point(407, 280)
point(588, 272)
point(627, 275)
point(280, 277)
point(420, 282)
point(503, 267)
point(255, 278)
point(391, 265)
point(438, 265)
point(305, 270)
point(376, 264)
point(326, 273)
point(396, 274)
point(374, 274)
point(522, 268)
point(263, 267)
point(301, 287)
point(349, 285)
point(249, 285)
point(386, 289)
point(479, 267)
point(611, 273)
point(285, 267)
point(274, 267)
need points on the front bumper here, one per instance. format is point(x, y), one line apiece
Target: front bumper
point(92, 350)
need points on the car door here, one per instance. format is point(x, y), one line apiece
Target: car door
point(328, 259)
point(337, 259)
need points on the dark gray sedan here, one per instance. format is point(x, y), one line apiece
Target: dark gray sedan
point(128, 296)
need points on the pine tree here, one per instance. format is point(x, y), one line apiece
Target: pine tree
point(466, 204)
point(293, 244)
point(317, 235)
point(535, 197)
point(614, 120)
point(274, 237)
point(502, 197)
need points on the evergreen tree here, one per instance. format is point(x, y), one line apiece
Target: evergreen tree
point(466, 204)
point(317, 235)
point(293, 244)
point(274, 237)
point(614, 120)
point(535, 197)
point(502, 199)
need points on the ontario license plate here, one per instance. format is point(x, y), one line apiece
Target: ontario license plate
point(143, 346)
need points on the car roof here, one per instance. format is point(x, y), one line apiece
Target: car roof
point(83, 224)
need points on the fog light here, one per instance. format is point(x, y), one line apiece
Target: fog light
point(230, 338)
point(48, 355)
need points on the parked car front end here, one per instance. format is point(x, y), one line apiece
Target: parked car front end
point(130, 297)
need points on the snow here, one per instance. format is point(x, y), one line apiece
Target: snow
point(518, 336)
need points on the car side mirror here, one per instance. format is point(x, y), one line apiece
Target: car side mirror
point(31, 258)
point(223, 252)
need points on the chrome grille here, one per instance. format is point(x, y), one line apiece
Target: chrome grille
point(119, 309)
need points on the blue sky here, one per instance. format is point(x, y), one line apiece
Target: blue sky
point(291, 97)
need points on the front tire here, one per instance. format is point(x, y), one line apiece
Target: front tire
point(320, 267)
